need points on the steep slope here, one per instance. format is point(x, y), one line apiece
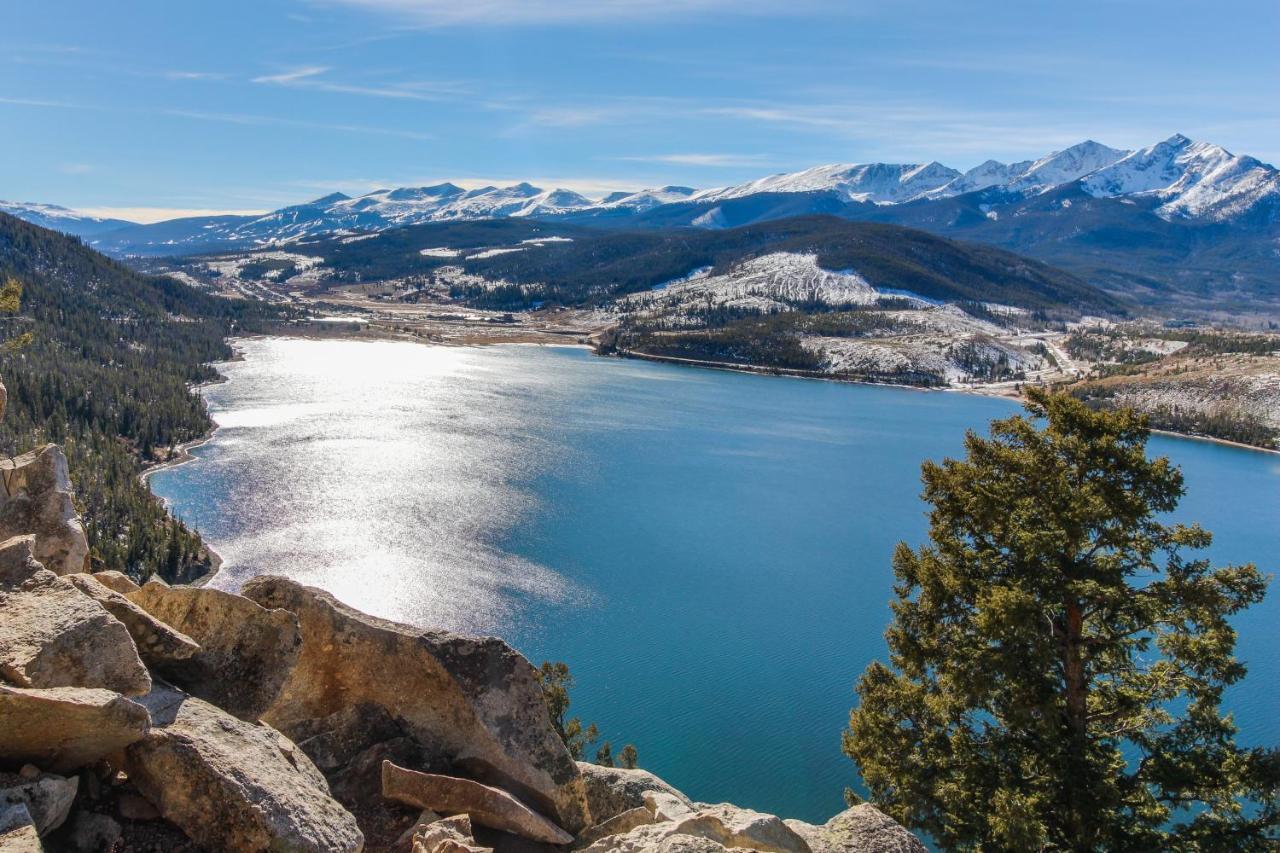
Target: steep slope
point(107, 374)
point(62, 219)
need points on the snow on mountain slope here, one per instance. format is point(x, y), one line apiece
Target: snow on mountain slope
point(61, 218)
point(882, 183)
point(1034, 176)
point(769, 283)
point(647, 199)
point(1192, 179)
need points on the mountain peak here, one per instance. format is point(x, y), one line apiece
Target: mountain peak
point(331, 198)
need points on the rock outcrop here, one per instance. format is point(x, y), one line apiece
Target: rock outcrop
point(862, 828)
point(65, 728)
point(233, 785)
point(35, 498)
point(446, 835)
point(246, 651)
point(475, 702)
point(610, 791)
point(53, 635)
point(159, 646)
point(724, 825)
point(486, 805)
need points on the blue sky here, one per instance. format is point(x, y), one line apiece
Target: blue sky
point(149, 109)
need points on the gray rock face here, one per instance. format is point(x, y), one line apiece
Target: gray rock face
point(17, 830)
point(65, 728)
point(486, 805)
point(47, 798)
point(474, 702)
point(35, 497)
point(246, 651)
point(92, 833)
point(53, 635)
point(610, 791)
point(234, 785)
point(860, 829)
point(17, 561)
point(159, 645)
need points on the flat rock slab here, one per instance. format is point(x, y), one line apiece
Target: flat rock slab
point(53, 635)
point(118, 581)
point(35, 497)
point(158, 644)
point(476, 703)
point(486, 805)
point(709, 828)
point(62, 729)
point(234, 785)
point(246, 651)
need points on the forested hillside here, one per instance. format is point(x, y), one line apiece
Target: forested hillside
point(106, 373)
point(559, 264)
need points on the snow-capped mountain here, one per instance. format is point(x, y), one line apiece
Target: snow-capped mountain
point(1178, 180)
point(882, 183)
point(61, 218)
point(1195, 180)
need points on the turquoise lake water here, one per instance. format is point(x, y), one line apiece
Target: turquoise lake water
point(708, 551)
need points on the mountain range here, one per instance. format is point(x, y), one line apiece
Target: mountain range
point(1179, 221)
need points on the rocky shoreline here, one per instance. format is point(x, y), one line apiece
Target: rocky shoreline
point(182, 718)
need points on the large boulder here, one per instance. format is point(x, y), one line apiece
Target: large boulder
point(610, 791)
point(53, 635)
point(246, 651)
point(860, 829)
point(18, 563)
point(159, 645)
point(234, 785)
point(47, 798)
point(486, 805)
point(708, 828)
point(35, 497)
point(65, 728)
point(475, 703)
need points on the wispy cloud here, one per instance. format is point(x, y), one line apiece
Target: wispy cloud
point(442, 13)
point(276, 121)
point(193, 75)
point(312, 77)
point(713, 160)
point(75, 168)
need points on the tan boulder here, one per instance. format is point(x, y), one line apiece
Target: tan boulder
point(619, 824)
point(611, 791)
point(158, 644)
point(860, 829)
point(118, 581)
point(65, 728)
point(234, 785)
point(17, 830)
point(475, 702)
point(246, 651)
point(35, 497)
point(724, 826)
point(447, 835)
point(486, 805)
point(47, 798)
point(53, 635)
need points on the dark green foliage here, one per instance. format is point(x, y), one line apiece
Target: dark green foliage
point(1058, 655)
point(556, 681)
point(604, 755)
point(596, 265)
point(106, 374)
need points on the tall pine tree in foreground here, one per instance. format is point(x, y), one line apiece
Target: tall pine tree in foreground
point(1059, 655)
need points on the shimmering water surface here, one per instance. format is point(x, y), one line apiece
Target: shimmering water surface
point(708, 551)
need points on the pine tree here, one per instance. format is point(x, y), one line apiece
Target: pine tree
point(628, 757)
point(1058, 654)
